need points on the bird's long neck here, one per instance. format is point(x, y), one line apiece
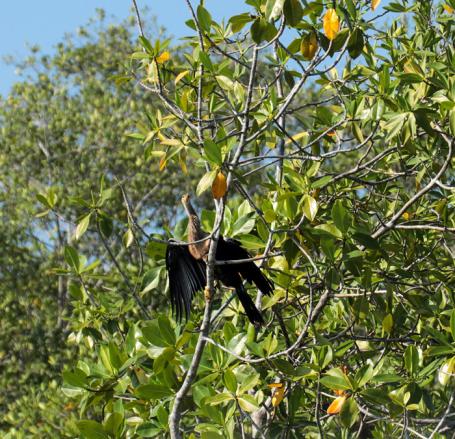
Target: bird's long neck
point(195, 233)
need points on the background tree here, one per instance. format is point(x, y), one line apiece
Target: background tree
point(331, 125)
point(62, 128)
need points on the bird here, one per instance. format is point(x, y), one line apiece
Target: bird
point(186, 267)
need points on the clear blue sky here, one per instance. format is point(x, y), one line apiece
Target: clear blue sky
point(44, 22)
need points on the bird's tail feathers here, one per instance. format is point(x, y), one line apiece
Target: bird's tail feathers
point(251, 311)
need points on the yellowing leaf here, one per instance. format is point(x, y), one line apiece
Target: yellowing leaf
point(163, 163)
point(448, 9)
point(297, 136)
point(309, 45)
point(340, 392)
point(278, 393)
point(331, 24)
point(336, 405)
point(219, 186)
point(375, 4)
point(180, 76)
point(165, 56)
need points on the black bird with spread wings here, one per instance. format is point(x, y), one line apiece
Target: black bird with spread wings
point(186, 266)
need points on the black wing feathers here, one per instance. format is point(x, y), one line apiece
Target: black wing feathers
point(186, 277)
point(230, 249)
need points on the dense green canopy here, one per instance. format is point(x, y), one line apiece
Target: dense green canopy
point(332, 125)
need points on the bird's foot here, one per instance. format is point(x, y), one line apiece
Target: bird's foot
point(207, 294)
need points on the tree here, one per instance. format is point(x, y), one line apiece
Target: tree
point(333, 127)
point(62, 128)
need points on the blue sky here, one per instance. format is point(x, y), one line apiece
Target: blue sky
point(44, 22)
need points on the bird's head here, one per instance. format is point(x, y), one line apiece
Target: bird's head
point(187, 205)
point(185, 199)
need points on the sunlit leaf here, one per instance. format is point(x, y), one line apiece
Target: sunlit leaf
point(331, 24)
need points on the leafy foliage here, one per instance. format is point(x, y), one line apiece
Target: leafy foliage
point(332, 130)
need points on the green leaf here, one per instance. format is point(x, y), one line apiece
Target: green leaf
point(293, 12)
point(91, 430)
point(148, 429)
point(204, 18)
point(167, 333)
point(331, 229)
point(219, 398)
point(106, 359)
point(106, 226)
point(452, 324)
point(394, 125)
point(82, 226)
point(310, 207)
point(72, 258)
point(230, 380)
point(248, 403)
point(251, 242)
point(261, 30)
point(147, 46)
point(153, 391)
point(273, 9)
point(213, 152)
point(341, 216)
point(356, 43)
point(349, 413)
point(336, 380)
point(452, 121)
point(239, 21)
point(363, 375)
point(243, 225)
point(411, 359)
point(226, 83)
point(75, 379)
point(113, 423)
point(206, 182)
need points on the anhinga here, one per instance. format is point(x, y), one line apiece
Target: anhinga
point(186, 266)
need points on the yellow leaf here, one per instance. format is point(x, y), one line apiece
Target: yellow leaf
point(309, 45)
point(448, 9)
point(375, 4)
point(219, 186)
point(278, 393)
point(180, 76)
point(331, 24)
point(170, 142)
point(165, 56)
point(336, 405)
point(163, 163)
point(406, 216)
point(340, 392)
point(297, 136)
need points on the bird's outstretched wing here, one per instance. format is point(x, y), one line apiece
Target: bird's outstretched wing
point(231, 249)
point(186, 277)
